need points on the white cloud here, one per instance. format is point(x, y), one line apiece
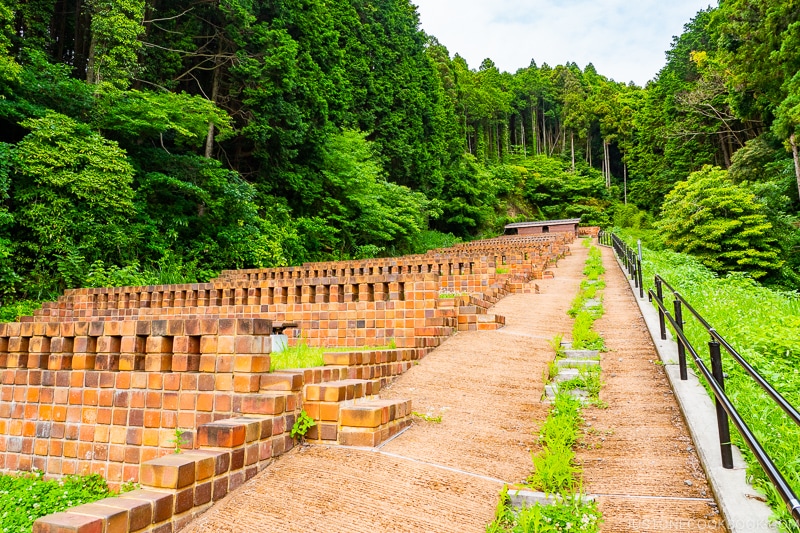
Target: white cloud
point(624, 40)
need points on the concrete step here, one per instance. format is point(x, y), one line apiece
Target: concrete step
point(577, 363)
point(566, 374)
point(582, 354)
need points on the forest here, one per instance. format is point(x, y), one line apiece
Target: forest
point(145, 141)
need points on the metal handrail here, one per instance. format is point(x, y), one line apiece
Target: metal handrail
point(784, 404)
point(716, 380)
point(631, 260)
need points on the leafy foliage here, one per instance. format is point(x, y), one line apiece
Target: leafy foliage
point(720, 222)
point(25, 498)
point(246, 134)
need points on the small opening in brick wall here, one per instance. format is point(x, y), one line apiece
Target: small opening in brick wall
point(193, 346)
point(401, 291)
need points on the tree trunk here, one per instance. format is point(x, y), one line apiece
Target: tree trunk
point(796, 161)
point(572, 148)
point(90, 71)
point(725, 155)
point(214, 94)
point(625, 180)
point(534, 133)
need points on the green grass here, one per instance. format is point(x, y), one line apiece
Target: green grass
point(24, 498)
point(764, 326)
point(554, 468)
point(583, 336)
point(589, 380)
point(301, 355)
point(567, 513)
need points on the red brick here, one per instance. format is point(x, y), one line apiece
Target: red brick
point(169, 472)
point(68, 523)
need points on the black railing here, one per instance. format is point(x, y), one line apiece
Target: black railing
point(715, 378)
point(628, 256)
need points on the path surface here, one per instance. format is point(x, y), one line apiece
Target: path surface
point(638, 450)
point(486, 386)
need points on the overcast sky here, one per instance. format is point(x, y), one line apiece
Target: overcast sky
point(624, 39)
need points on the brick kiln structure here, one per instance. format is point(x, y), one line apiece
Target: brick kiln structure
point(98, 381)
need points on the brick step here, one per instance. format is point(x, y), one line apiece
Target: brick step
point(471, 310)
point(338, 391)
point(486, 319)
point(446, 321)
point(433, 331)
point(373, 372)
point(428, 342)
point(229, 433)
point(448, 312)
point(266, 403)
point(475, 300)
point(284, 380)
point(370, 357)
point(371, 423)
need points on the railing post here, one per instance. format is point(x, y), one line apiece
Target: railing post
point(681, 347)
point(641, 281)
point(722, 416)
point(661, 323)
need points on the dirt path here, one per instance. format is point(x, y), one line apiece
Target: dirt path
point(638, 451)
point(486, 386)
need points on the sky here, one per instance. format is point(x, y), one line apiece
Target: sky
point(624, 39)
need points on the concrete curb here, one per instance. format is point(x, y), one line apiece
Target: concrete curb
point(742, 507)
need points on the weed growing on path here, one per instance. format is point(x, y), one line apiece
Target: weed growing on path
point(554, 469)
point(567, 513)
point(427, 418)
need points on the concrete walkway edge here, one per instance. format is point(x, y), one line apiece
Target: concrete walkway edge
point(740, 504)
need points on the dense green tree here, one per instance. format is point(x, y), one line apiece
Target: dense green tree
point(722, 223)
point(74, 193)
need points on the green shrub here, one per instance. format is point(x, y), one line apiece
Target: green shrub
point(11, 312)
point(25, 498)
point(554, 469)
point(720, 222)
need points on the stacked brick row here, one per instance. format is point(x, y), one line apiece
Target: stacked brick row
point(101, 380)
point(106, 396)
